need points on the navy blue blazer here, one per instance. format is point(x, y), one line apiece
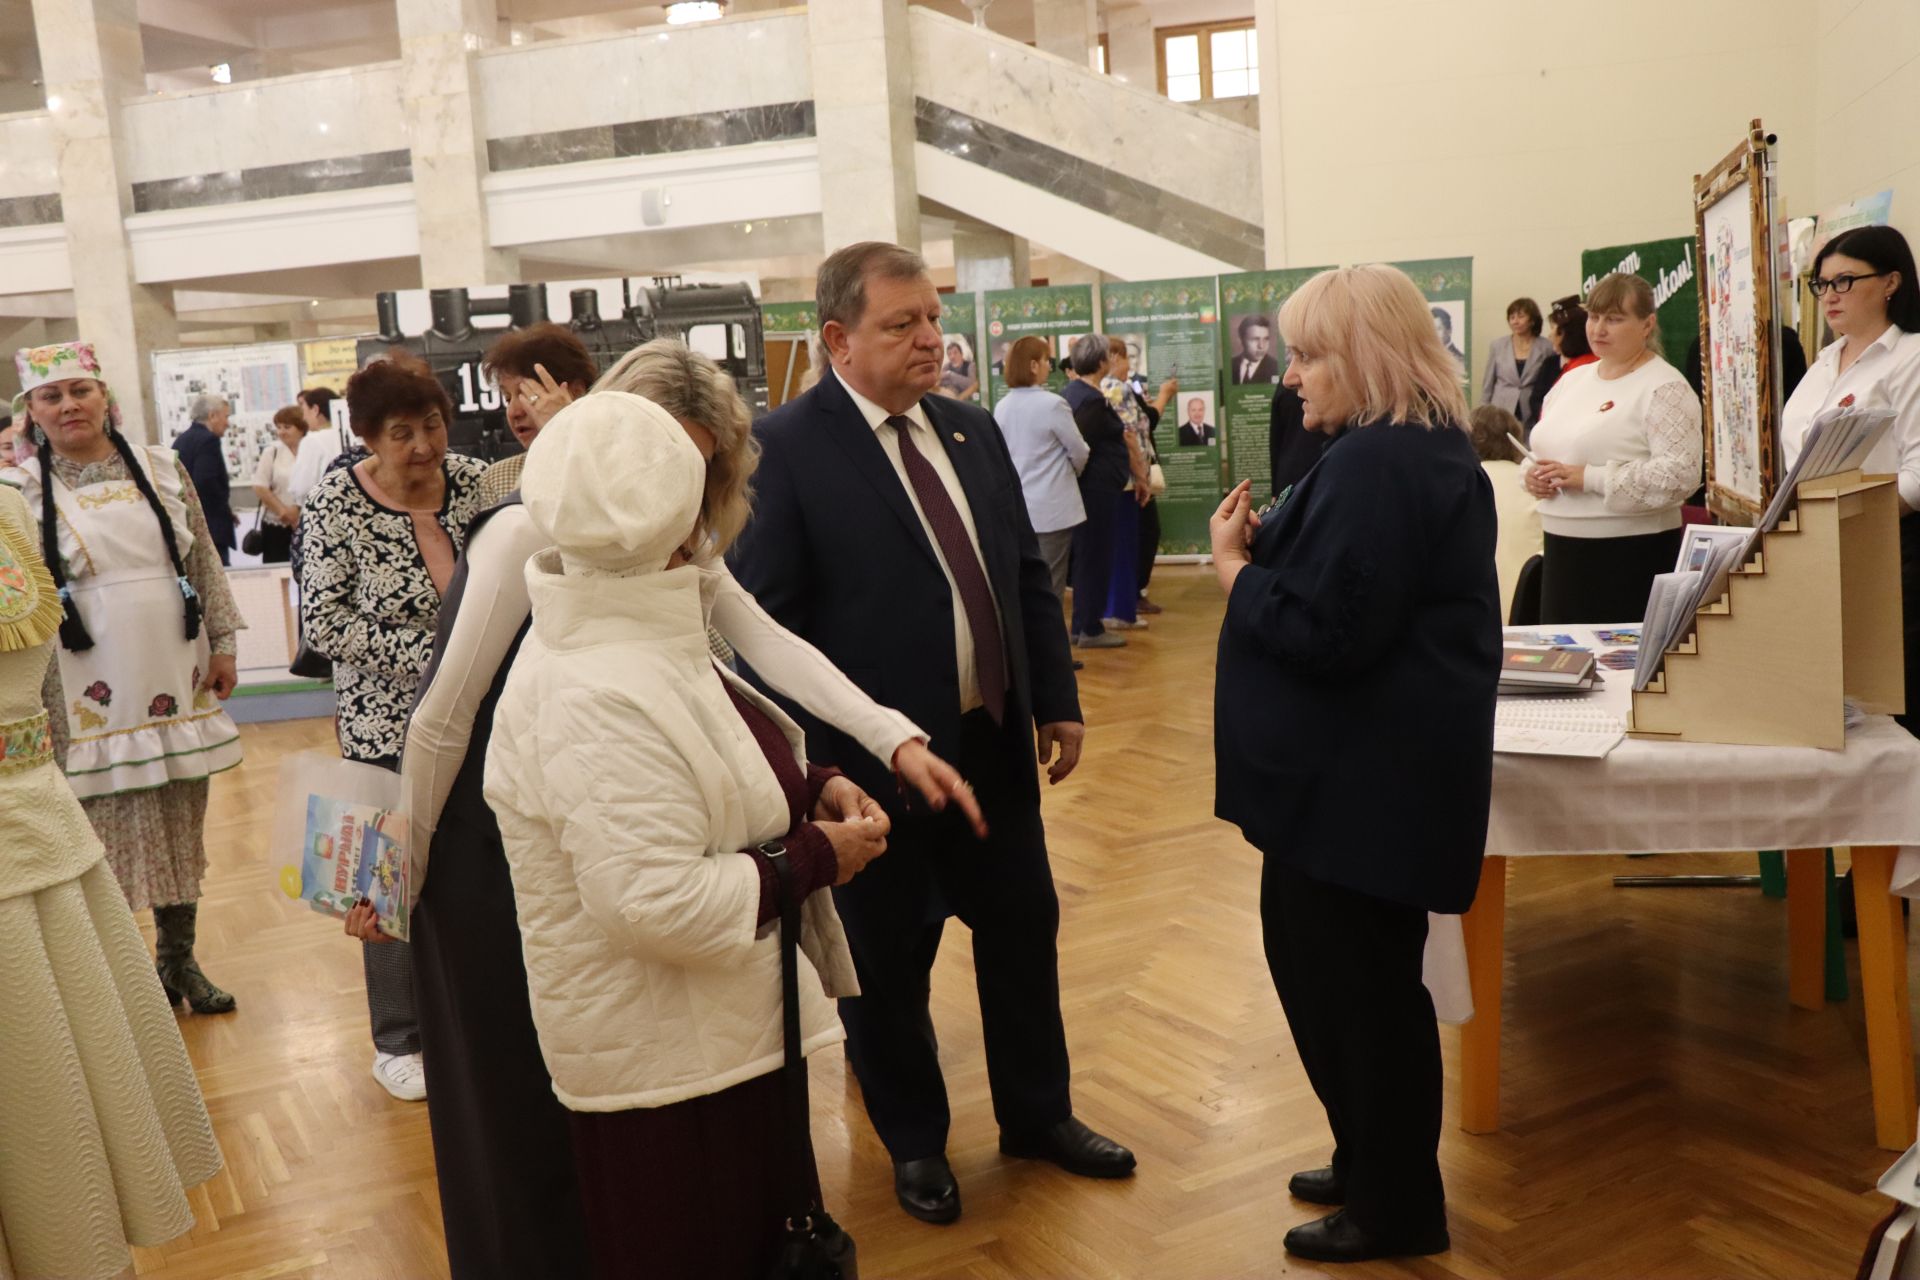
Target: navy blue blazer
point(1358, 664)
point(199, 449)
point(836, 553)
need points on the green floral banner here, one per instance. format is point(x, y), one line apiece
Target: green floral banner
point(1253, 358)
point(1170, 328)
point(1448, 286)
point(1058, 313)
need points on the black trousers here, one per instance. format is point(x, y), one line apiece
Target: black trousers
point(1600, 580)
point(1910, 617)
point(1002, 889)
point(1093, 560)
point(276, 543)
point(502, 1144)
point(1149, 541)
point(1348, 969)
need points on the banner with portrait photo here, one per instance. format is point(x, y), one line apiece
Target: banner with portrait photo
point(959, 347)
point(255, 380)
point(1058, 313)
point(1447, 284)
point(1170, 328)
point(1253, 358)
point(1667, 265)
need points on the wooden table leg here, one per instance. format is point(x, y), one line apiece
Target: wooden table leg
point(1883, 984)
point(1485, 927)
point(1806, 927)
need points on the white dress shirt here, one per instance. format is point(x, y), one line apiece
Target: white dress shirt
point(936, 455)
point(1886, 375)
point(317, 449)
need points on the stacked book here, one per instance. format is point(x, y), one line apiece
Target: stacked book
point(1528, 668)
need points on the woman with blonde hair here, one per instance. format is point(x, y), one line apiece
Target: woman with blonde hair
point(1353, 729)
point(510, 1197)
point(1617, 451)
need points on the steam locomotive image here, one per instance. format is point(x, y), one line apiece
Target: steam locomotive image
point(722, 320)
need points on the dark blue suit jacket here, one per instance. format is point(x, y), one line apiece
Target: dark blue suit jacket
point(1353, 702)
point(199, 449)
point(836, 553)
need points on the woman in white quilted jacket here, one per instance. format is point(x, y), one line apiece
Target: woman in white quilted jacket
point(639, 787)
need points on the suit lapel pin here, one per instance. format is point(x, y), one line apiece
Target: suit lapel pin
point(958, 438)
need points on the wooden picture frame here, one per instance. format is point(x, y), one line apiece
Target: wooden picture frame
point(1739, 400)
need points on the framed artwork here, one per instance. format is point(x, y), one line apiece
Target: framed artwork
point(1732, 209)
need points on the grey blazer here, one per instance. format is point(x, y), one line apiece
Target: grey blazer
point(1519, 392)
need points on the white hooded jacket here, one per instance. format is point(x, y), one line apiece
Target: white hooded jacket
point(626, 786)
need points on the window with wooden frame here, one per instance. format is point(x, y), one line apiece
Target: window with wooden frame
point(1212, 60)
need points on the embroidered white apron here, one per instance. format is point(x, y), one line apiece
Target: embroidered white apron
point(137, 715)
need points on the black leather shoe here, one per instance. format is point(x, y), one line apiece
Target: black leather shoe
point(1072, 1146)
point(1318, 1186)
point(926, 1189)
point(1335, 1239)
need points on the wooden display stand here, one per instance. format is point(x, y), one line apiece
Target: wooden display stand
point(1812, 618)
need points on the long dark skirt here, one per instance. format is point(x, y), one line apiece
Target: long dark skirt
point(1584, 581)
point(1910, 617)
point(694, 1189)
point(501, 1140)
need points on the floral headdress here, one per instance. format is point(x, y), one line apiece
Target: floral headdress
point(58, 362)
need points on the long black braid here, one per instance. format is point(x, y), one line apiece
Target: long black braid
point(73, 631)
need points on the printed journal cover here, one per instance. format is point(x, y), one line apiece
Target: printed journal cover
point(350, 851)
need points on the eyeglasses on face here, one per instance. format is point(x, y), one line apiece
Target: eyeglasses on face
point(1840, 284)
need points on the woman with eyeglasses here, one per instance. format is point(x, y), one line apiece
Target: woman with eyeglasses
point(1866, 284)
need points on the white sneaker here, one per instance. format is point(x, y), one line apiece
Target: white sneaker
point(401, 1075)
point(1121, 624)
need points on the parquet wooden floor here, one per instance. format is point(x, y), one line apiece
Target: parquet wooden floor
point(1667, 1113)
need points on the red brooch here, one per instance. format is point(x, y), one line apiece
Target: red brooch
point(1846, 401)
point(1608, 405)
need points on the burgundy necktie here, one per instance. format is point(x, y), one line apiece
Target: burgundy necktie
point(989, 659)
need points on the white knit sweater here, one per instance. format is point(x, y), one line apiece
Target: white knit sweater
point(1639, 439)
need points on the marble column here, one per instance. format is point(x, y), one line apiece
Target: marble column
point(988, 258)
point(1068, 28)
point(440, 94)
point(1268, 18)
point(863, 120)
point(92, 61)
point(1131, 55)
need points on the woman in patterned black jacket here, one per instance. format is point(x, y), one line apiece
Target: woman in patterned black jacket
point(381, 536)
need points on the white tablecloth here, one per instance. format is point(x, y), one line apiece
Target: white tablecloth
point(1692, 797)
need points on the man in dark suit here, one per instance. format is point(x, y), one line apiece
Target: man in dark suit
point(199, 449)
point(1256, 362)
point(890, 531)
point(1196, 430)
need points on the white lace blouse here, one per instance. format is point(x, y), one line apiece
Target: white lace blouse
point(1639, 439)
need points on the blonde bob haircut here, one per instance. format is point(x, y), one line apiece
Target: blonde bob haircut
point(1375, 331)
point(1625, 294)
point(696, 390)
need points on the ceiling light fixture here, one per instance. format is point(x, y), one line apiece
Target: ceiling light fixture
point(222, 72)
point(685, 11)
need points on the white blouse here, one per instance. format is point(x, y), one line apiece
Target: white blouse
point(274, 473)
point(1886, 375)
point(495, 603)
point(1638, 437)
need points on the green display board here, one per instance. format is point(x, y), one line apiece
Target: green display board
point(1668, 266)
point(1448, 286)
point(1171, 328)
point(960, 327)
point(786, 318)
point(1252, 360)
point(1058, 313)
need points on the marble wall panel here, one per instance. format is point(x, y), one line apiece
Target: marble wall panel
point(559, 86)
point(29, 156)
point(267, 182)
point(734, 127)
point(324, 116)
point(1093, 186)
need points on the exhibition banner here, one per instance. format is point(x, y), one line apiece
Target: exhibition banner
point(1058, 313)
point(1252, 360)
point(1447, 284)
point(960, 341)
point(788, 318)
point(255, 380)
point(1171, 329)
point(1667, 265)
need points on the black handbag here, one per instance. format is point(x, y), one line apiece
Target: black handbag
point(815, 1248)
point(253, 539)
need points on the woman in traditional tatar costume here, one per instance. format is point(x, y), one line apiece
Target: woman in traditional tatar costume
point(146, 645)
point(102, 1128)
